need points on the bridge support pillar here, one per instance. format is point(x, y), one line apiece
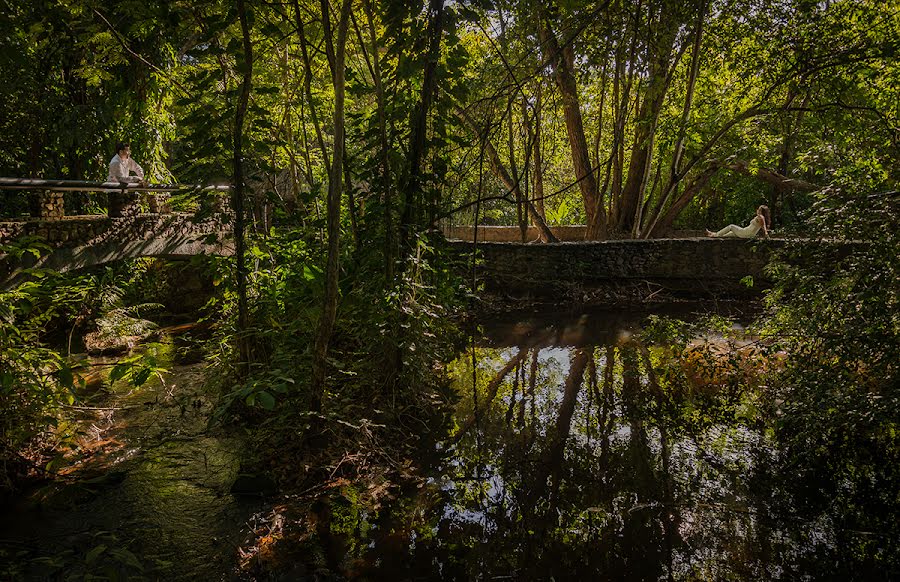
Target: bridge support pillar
point(50, 206)
point(159, 203)
point(123, 204)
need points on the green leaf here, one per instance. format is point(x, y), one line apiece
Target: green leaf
point(118, 372)
point(94, 554)
point(142, 376)
point(65, 377)
point(309, 274)
point(266, 400)
point(127, 558)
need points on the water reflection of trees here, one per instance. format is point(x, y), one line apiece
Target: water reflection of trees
point(606, 459)
point(625, 457)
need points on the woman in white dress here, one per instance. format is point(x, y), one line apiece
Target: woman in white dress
point(760, 222)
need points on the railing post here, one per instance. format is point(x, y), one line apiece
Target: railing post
point(159, 202)
point(50, 206)
point(122, 204)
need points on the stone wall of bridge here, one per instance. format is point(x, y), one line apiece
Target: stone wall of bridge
point(565, 233)
point(92, 230)
point(80, 242)
point(686, 266)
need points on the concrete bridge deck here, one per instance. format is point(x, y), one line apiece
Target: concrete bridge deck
point(79, 242)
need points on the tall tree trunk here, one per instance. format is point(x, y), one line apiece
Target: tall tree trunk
point(563, 62)
point(521, 217)
point(599, 135)
point(351, 204)
point(307, 80)
point(291, 146)
point(538, 175)
point(521, 214)
point(500, 171)
point(333, 220)
point(626, 70)
point(387, 186)
point(777, 195)
point(668, 218)
point(675, 168)
point(237, 198)
point(411, 214)
point(659, 52)
point(373, 62)
point(538, 217)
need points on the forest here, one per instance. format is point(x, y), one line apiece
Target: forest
point(336, 398)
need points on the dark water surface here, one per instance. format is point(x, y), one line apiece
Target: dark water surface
point(579, 449)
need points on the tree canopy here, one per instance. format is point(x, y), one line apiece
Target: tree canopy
point(631, 117)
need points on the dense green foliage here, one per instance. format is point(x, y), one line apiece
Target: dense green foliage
point(352, 130)
point(837, 315)
point(42, 324)
point(687, 113)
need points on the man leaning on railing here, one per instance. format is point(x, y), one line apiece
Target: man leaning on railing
point(122, 164)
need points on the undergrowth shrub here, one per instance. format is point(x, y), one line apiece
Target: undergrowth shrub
point(385, 357)
point(835, 310)
point(40, 320)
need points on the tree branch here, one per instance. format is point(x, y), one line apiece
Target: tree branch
point(139, 57)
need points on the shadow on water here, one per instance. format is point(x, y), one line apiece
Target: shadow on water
point(586, 454)
point(594, 326)
point(582, 452)
point(582, 448)
point(144, 494)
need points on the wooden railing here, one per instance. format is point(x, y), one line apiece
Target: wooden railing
point(123, 199)
point(83, 186)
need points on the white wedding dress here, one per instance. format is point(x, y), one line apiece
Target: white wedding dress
point(735, 231)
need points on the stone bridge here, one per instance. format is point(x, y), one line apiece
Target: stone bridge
point(80, 242)
point(697, 267)
point(685, 265)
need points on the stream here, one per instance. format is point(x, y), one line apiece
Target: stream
point(574, 452)
point(146, 496)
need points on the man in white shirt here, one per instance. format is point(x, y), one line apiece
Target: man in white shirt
point(121, 166)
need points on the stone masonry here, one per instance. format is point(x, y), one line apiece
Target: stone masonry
point(92, 230)
point(84, 241)
point(565, 233)
point(688, 266)
point(50, 205)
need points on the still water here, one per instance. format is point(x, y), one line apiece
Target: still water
point(580, 450)
point(601, 445)
point(608, 446)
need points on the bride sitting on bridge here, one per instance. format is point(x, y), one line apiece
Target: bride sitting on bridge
point(761, 221)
